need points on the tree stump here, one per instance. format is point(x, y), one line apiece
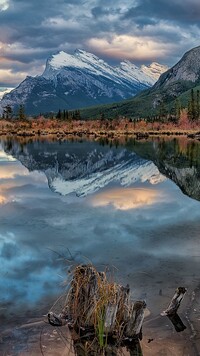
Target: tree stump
point(100, 314)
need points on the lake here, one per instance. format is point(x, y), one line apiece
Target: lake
point(129, 207)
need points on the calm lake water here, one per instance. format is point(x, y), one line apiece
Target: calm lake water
point(131, 206)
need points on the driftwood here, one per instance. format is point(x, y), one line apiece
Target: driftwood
point(175, 302)
point(101, 316)
point(135, 321)
point(171, 311)
point(177, 322)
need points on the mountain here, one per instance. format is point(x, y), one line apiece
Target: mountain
point(4, 90)
point(175, 83)
point(187, 69)
point(177, 161)
point(83, 168)
point(80, 80)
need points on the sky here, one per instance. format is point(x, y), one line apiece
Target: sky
point(141, 31)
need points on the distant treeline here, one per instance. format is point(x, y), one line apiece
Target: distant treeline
point(68, 115)
point(163, 113)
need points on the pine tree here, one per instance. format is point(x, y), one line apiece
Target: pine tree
point(198, 105)
point(177, 109)
point(77, 115)
point(162, 111)
point(59, 115)
point(21, 113)
point(192, 106)
point(7, 112)
point(102, 116)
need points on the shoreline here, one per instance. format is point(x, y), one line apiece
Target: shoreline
point(94, 128)
point(33, 335)
point(100, 134)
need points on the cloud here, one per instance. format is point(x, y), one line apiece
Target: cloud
point(178, 11)
point(130, 47)
point(4, 5)
point(127, 198)
point(140, 30)
point(7, 77)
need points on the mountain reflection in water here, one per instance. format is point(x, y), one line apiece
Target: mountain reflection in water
point(177, 159)
point(115, 206)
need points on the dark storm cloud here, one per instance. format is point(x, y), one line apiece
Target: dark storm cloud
point(186, 12)
point(100, 11)
point(33, 30)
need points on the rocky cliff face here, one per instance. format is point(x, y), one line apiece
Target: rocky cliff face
point(80, 80)
point(187, 69)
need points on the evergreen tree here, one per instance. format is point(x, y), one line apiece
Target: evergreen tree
point(7, 112)
point(77, 115)
point(177, 110)
point(102, 116)
point(69, 116)
point(162, 111)
point(198, 105)
point(73, 115)
point(192, 106)
point(59, 115)
point(21, 113)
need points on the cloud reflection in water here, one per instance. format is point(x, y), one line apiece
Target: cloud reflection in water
point(129, 228)
point(127, 198)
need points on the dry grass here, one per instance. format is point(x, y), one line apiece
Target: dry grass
point(100, 313)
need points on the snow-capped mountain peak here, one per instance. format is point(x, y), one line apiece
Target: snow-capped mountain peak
point(87, 56)
point(88, 61)
point(62, 59)
point(72, 81)
point(131, 70)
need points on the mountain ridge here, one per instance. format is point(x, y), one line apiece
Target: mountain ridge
point(79, 80)
point(172, 85)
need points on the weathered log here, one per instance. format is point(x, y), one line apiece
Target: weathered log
point(134, 324)
point(123, 313)
point(83, 348)
point(175, 302)
point(177, 322)
point(110, 317)
point(93, 349)
point(116, 309)
point(135, 349)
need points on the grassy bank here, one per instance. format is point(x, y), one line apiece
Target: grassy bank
point(96, 128)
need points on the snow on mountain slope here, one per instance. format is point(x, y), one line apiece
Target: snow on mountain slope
point(129, 70)
point(154, 70)
point(138, 172)
point(88, 61)
point(84, 169)
point(76, 81)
